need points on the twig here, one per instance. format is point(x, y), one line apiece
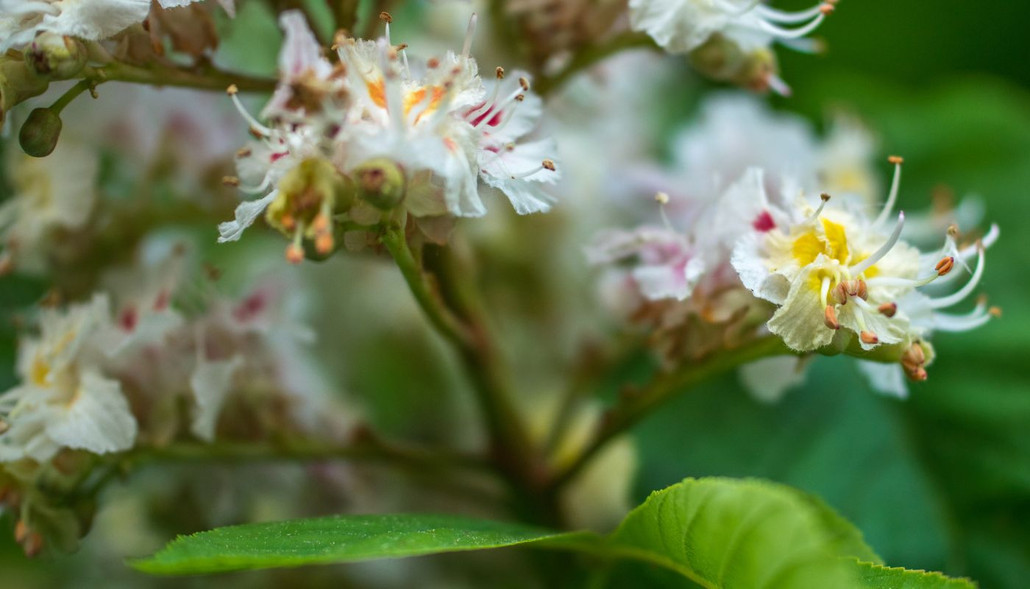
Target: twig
point(664, 388)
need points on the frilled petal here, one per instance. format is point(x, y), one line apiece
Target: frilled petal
point(750, 263)
point(800, 320)
point(95, 19)
point(211, 383)
point(852, 317)
point(677, 25)
point(518, 173)
point(98, 419)
point(246, 213)
point(675, 281)
point(769, 379)
point(885, 378)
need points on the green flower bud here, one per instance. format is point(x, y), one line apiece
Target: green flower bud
point(380, 182)
point(39, 134)
point(17, 83)
point(56, 57)
point(309, 196)
point(723, 60)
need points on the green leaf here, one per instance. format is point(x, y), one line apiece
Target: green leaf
point(336, 539)
point(741, 533)
point(897, 578)
point(718, 533)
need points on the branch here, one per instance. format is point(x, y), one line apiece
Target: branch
point(664, 388)
point(208, 78)
point(366, 450)
point(465, 328)
point(589, 55)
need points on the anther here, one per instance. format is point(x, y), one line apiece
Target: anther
point(995, 312)
point(824, 197)
point(433, 63)
point(520, 98)
point(888, 309)
point(945, 265)
point(830, 318)
point(869, 337)
point(918, 374)
point(826, 8)
point(320, 224)
point(549, 165)
point(385, 17)
point(324, 243)
point(232, 90)
point(499, 72)
point(662, 198)
point(230, 181)
point(897, 160)
point(244, 152)
point(294, 254)
point(524, 83)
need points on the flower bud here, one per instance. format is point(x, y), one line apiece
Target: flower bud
point(17, 83)
point(56, 57)
point(39, 134)
point(310, 195)
point(380, 182)
point(724, 60)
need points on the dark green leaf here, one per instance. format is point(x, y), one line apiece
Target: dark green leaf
point(336, 539)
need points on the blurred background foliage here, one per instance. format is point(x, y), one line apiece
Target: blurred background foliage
point(940, 481)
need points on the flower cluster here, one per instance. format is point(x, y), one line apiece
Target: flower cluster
point(742, 231)
point(111, 374)
point(89, 20)
point(729, 39)
point(374, 133)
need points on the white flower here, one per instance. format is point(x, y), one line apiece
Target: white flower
point(680, 26)
point(438, 124)
point(92, 20)
point(52, 193)
point(64, 400)
point(835, 274)
point(728, 39)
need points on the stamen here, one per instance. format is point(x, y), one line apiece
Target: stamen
point(830, 318)
point(781, 16)
point(819, 210)
point(878, 255)
point(733, 10)
point(975, 318)
point(965, 291)
point(892, 197)
point(663, 199)
point(469, 34)
point(782, 33)
point(869, 338)
point(294, 251)
point(777, 85)
point(232, 91)
point(945, 265)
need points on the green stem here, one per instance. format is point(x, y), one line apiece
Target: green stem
point(664, 388)
point(510, 444)
point(72, 94)
point(202, 79)
point(591, 54)
point(370, 451)
point(442, 319)
point(345, 12)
